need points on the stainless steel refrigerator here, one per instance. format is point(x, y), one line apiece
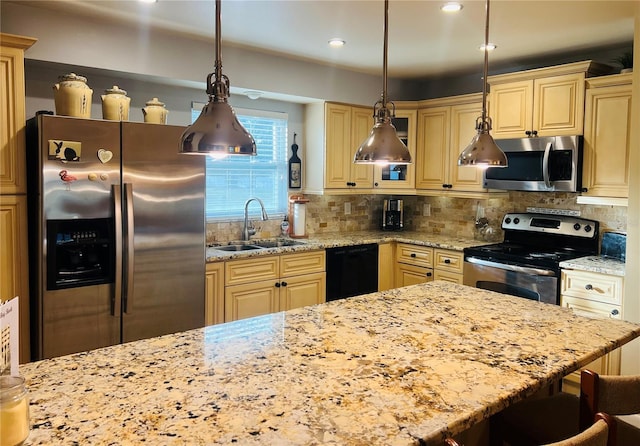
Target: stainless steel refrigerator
point(116, 233)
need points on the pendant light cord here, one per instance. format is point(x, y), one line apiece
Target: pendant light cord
point(218, 90)
point(385, 50)
point(486, 67)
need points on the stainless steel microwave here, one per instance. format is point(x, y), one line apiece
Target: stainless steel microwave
point(538, 164)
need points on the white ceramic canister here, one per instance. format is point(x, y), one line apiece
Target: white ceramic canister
point(72, 96)
point(155, 112)
point(115, 104)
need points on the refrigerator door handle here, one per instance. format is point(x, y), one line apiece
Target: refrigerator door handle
point(116, 296)
point(129, 251)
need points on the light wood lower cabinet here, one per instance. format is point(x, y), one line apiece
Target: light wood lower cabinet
point(448, 265)
point(386, 266)
point(414, 264)
point(594, 295)
point(214, 293)
point(269, 284)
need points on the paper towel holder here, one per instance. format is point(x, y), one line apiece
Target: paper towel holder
point(297, 216)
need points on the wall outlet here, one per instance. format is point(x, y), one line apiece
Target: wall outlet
point(347, 208)
point(426, 210)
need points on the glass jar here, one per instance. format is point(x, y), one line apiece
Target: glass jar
point(14, 411)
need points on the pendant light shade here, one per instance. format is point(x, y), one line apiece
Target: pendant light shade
point(383, 145)
point(217, 130)
point(483, 151)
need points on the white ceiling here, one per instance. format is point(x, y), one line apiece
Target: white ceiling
point(423, 41)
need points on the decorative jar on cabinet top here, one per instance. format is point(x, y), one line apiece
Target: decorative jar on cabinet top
point(155, 112)
point(72, 96)
point(115, 104)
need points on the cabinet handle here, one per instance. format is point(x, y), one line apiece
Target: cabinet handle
point(614, 312)
point(588, 287)
point(429, 274)
point(447, 261)
point(277, 284)
point(413, 254)
point(284, 283)
point(584, 189)
point(375, 184)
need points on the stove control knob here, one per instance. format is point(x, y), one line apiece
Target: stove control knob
point(516, 220)
point(576, 226)
point(587, 228)
point(507, 220)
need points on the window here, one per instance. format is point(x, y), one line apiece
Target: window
point(231, 181)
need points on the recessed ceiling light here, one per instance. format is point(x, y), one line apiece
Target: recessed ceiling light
point(451, 7)
point(337, 42)
point(490, 47)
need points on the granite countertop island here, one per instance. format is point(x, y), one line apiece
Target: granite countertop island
point(596, 264)
point(392, 368)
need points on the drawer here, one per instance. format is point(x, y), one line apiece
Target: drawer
point(251, 270)
point(414, 255)
point(302, 263)
point(447, 260)
point(447, 276)
point(590, 308)
point(593, 286)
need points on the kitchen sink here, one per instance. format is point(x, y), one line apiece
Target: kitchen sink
point(237, 247)
point(277, 243)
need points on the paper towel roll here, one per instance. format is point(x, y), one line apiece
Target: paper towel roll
point(299, 218)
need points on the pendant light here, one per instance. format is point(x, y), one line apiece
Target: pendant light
point(383, 145)
point(483, 151)
point(217, 130)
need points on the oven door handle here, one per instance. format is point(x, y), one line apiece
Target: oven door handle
point(515, 268)
point(545, 165)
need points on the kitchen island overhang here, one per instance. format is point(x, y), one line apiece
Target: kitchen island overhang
point(415, 363)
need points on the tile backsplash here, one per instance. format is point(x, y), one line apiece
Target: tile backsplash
point(447, 216)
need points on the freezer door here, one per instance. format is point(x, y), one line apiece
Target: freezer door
point(164, 233)
point(73, 167)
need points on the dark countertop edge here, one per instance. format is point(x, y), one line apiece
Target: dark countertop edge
point(339, 239)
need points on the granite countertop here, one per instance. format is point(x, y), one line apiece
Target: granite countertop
point(337, 239)
point(596, 264)
point(391, 368)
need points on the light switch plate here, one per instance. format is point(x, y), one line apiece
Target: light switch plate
point(426, 210)
point(347, 208)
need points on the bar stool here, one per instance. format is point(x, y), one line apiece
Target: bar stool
point(602, 432)
point(560, 416)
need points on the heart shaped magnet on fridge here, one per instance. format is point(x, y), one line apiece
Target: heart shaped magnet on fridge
point(105, 155)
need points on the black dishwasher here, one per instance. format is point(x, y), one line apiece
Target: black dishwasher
point(352, 270)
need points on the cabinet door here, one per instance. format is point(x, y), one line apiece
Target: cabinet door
point(463, 129)
point(512, 109)
point(251, 299)
point(361, 125)
point(394, 176)
point(338, 136)
point(606, 141)
point(300, 291)
point(14, 270)
point(558, 105)
point(433, 145)
point(385, 267)
point(412, 275)
point(214, 293)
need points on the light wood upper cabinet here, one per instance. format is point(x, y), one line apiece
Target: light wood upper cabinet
point(335, 131)
point(607, 131)
point(395, 178)
point(445, 127)
point(542, 102)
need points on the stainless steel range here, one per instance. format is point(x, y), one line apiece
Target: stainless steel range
point(527, 263)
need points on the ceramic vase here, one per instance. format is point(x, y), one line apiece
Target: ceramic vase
point(115, 104)
point(72, 96)
point(155, 112)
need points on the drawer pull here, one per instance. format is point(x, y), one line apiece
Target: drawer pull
point(413, 254)
point(588, 287)
point(429, 274)
point(614, 312)
point(447, 261)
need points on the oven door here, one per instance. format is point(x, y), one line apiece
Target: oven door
point(531, 283)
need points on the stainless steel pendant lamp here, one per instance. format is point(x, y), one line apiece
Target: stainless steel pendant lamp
point(217, 130)
point(383, 145)
point(483, 151)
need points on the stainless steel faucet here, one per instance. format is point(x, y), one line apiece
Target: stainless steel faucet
point(248, 229)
